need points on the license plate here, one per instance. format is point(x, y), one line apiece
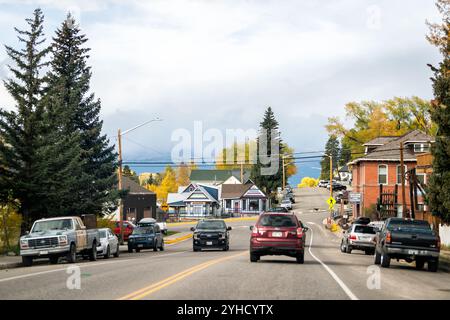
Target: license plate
point(140, 245)
point(277, 234)
point(413, 252)
point(209, 243)
point(43, 253)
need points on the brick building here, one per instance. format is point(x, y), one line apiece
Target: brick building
point(381, 166)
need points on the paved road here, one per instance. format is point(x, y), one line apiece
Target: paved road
point(179, 273)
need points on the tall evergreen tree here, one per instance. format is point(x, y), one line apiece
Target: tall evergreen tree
point(439, 184)
point(331, 148)
point(21, 130)
point(345, 153)
point(268, 183)
point(69, 80)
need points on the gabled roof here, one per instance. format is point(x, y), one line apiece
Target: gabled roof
point(133, 187)
point(379, 141)
point(199, 175)
point(234, 191)
point(391, 150)
point(210, 193)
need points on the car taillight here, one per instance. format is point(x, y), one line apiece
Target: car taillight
point(255, 231)
point(299, 232)
point(352, 237)
point(388, 237)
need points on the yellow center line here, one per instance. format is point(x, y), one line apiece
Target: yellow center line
point(141, 293)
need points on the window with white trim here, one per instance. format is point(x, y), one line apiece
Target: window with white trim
point(421, 147)
point(399, 173)
point(382, 174)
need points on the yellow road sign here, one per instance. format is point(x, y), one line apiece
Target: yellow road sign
point(331, 202)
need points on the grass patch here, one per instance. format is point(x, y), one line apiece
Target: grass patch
point(170, 233)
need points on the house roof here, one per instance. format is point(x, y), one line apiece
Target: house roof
point(390, 151)
point(234, 191)
point(343, 169)
point(379, 141)
point(133, 187)
point(216, 175)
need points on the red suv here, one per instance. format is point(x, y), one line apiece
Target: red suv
point(278, 234)
point(128, 228)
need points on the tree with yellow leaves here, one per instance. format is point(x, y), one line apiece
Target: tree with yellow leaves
point(168, 184)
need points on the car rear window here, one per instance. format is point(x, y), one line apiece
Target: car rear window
point(365, 229)
point(417, 226)
point(277, 221)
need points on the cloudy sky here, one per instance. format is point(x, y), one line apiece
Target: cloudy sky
point(223, 62)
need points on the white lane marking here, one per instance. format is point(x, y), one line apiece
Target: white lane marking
point(83, 265)
point(309, 222)
point(341, 283)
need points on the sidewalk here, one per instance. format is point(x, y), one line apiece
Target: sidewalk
point(8, 262)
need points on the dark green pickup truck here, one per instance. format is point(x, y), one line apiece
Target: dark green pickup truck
point(410, 240)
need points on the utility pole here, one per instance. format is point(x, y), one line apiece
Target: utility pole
point(242, 173)
point(284, 174)
point(119, 139)
point(402, 168)
point(331, 175)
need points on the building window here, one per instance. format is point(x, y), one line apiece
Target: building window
point(399, 174)
point(421, 178)
point(421, 147)
point(228, 204)
point(382, 174)
point(253, 205)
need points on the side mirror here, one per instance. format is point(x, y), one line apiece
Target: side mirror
point(192, 229)
point(251, 227)
point(229, 228)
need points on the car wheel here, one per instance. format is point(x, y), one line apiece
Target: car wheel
point(93, 253)
point(130, 250)
point(161, 248)
point(433, 265)
point(385, 260)
point(27, 261)
point(108, 253)
point(368, 252)
point(343, 249)
point(420, 263)
point(54, 259)
point(196, 249)
point(377, 258)
point(72, 255)
point(349, 249)
point(301, 258)
point(117, 253)
point(254, 258)
point(155, 248)
point(138, 250)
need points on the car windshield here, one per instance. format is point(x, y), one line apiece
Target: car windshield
point(102, 234)
point(409, 226)
point(59, 224)
point(365, 229)
point(213, 225)
point(145, 230)
point(277, 221)
point(285, 201)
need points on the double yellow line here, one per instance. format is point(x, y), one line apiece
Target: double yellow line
point(141, 293)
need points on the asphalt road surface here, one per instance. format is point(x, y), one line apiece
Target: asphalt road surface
point(180, 273)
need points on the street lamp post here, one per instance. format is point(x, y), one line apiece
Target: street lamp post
point(119, 140)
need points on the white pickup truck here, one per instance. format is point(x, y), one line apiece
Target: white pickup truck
point(59, 237)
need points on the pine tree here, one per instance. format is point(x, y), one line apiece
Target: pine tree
point(69, 79)
point(439, 183)
point(268, 183)
point(331, 148)
point(345, 153)
point(21, 170)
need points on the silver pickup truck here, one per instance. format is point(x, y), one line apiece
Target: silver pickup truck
point(59, 237)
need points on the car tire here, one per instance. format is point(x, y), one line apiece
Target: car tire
point(377, 258)
point(137, 250)
point(130, 250)
point(343, 248)
point(93, 253)
point(300, 258)
point(385, 260)
point(368, 252)
point(348, 249)
point(54, 259)
point(72, 254)
point(420, 263)
point(254, 258)
point(161, 248)
point(107, 254)
point(433, 265)
point(155, 248)
point(27, 261)
point(117, 253)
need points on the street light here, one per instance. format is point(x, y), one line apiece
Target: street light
point(119, 138)
point(284, 165)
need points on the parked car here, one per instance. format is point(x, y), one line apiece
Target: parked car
point(59, 237)
point(337, 186)
point(323, 183)
point(359, 237)
point(362, 220)
point(210, 234)
point(109, 243)
point(278, 234)
point(286, 203)
point(146, 237)
point(127, 227)
point(378, 225)
point(410, 240)
point(278, 209)
point(151, 221)
point(291, 197)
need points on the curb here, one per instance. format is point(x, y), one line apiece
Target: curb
point(10, 265)
point(179, 239)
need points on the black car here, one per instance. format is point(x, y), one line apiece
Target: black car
point(211, 234)
point(278, 209)
point(146, 238)
point(337, 186)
